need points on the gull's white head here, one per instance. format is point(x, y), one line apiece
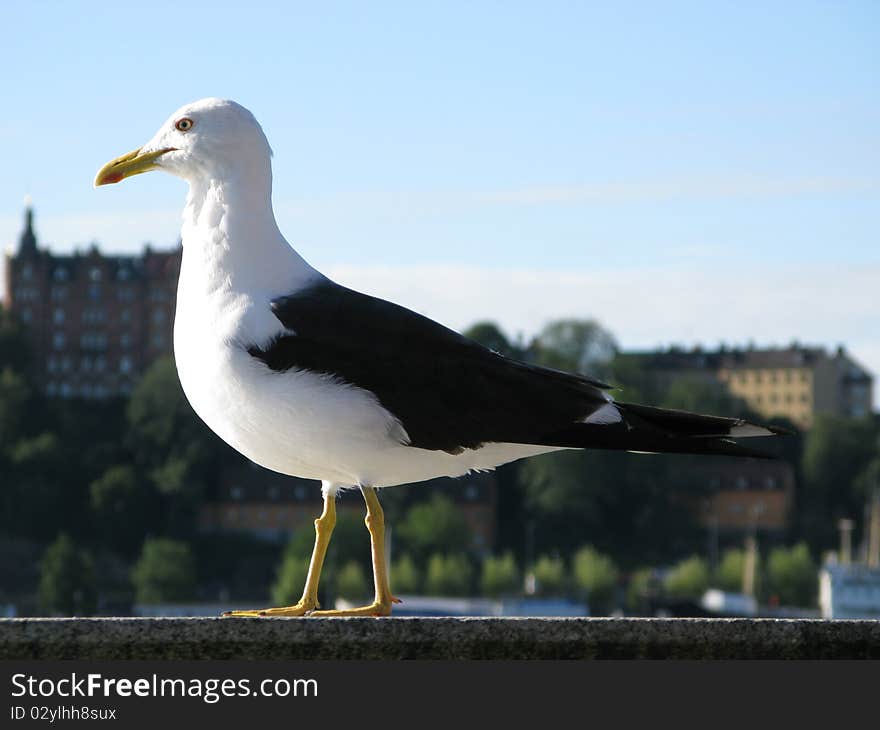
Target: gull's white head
point(207, 139)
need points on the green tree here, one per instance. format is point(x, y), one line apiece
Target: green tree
point(41, 498)
point(837, 451)
point(448, 575)
point(549, 576)
point(792, 575)
point(291, 580)
point(122, 508)
point(688, 579)
point(350, 543)
point(576, 345)
point(171, 445)
point(14, 395)
point(67, 580)
point(730, 571)
point(642, 586)
point(351, 583)
point(500, 576)
point(404, 576)
point(14, 350)
point(596, 575)
point(631, 506)
point(698, 395)
point(165, 572)
point(434, 526)
point(490, 335)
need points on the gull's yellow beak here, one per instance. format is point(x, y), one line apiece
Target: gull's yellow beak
point(133, 163)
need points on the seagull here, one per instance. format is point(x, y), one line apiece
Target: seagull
point(311, 379)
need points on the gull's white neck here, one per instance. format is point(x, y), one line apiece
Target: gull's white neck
point(231, 242)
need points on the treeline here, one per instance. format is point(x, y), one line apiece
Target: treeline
point(100, 499)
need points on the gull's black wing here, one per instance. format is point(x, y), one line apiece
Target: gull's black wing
point(448, 392)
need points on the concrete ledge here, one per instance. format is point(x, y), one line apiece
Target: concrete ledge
point(436, 638)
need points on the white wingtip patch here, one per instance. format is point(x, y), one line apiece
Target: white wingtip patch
point(608, 413)
point(749, 429)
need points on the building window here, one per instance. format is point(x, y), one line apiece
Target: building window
point(95, 274)
point(27, 272)
point(125, 364)
point(52, 364)
point(66, 364)
point(65, 390)
point(52, 388)
point(125, 294)
point(58, 316)
point(58, 293)
point(158, 316)
point(26, 315)
point(159, 341)
point(236, 492)
point(93, 341)
point(125, 341)
point(60, 274)
point(125, 315)
point(85, 364)
point(123, 274)
point(100, 364)
point(58, 340)
point(25, 294)
point(742, 482)
point(94, 316)
point(94, 292)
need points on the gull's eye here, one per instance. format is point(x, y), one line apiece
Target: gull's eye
point(184, 125)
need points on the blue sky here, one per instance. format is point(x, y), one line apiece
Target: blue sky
point(684, 172)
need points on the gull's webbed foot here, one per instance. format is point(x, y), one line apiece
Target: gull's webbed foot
point(376, 608)
point(298, 609)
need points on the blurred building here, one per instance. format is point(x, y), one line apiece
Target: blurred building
point(795, 382)
point(850, 589)
point(745, 496)
point(94, 322)
point(272, 506)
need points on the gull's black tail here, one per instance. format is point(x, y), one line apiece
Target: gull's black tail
point(661, 430)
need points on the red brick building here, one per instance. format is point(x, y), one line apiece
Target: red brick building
point(272, 506)
point(94, 322)
point(746, 495)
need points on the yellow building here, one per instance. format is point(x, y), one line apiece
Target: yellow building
point(798, 383)
point(795, 382)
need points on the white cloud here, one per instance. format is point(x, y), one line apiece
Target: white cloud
point(746, 186)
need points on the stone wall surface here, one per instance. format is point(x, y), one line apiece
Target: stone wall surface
point(436, 638)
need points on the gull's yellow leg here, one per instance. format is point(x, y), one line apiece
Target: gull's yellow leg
point(323, 530)
point(375, 521)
